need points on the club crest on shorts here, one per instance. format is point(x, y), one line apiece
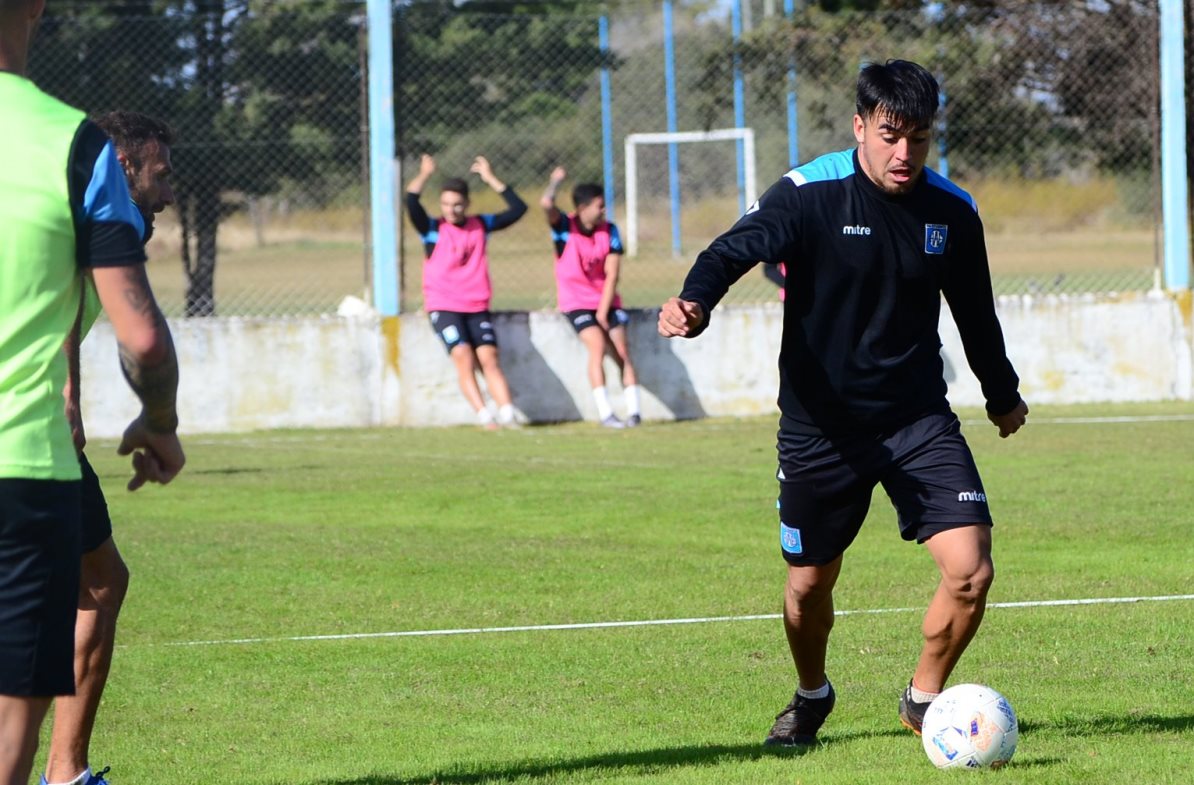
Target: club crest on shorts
point(935, 237)
point(789, 539)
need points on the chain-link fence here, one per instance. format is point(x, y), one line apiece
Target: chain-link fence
point(1049, 118)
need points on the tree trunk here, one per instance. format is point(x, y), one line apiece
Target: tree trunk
point(204, 222)
point(204, 200)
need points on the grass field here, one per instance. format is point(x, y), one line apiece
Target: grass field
point(370, 536)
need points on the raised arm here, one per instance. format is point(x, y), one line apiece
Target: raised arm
point(548, 200)
point(482, 168)
point(414, 208)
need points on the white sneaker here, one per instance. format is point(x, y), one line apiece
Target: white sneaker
point(613, 422)
point(511, 418)
point(634, 421)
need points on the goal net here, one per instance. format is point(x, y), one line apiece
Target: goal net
point(653, 177)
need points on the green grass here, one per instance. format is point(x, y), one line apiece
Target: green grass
point(297, 533)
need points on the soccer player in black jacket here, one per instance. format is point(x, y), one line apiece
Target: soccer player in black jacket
point(871, 239)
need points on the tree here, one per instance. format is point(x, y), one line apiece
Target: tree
point(258, 92)
point(271, 88)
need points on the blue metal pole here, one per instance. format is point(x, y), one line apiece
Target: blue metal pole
point(607, 123)
point(673, 154)
point(793, 133)
point(739, 102)
point(1174, 207)
point(942, 142)
point(381, 157)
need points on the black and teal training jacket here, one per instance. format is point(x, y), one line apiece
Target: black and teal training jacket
point(865, 274)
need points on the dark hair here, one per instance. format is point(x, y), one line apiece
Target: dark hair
point(131, 131)
point(584, 193)
point(455, 185)
point(901, 90)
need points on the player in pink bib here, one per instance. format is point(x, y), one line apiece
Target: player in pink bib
point(588, 260)
point(456, 288)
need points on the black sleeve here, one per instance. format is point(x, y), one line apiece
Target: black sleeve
point(772, 273)
point(766, 233)
point(971, 300)
point(97, 243)
point(559, 232)
point(418, 216)
point(515, 209)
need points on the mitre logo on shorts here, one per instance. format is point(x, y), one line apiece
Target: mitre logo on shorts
point(789, 539)
point(972, 496)
point(935, 237)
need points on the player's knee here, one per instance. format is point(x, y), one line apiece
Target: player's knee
point(106, 584)
point(971, 585)
point(809, 590)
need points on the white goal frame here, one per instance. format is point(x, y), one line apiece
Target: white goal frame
point(745, 135)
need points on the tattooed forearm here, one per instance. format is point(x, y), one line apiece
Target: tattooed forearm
point(154, 381)
point(156, 385)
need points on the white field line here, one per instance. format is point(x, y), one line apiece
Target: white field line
point(655, 622)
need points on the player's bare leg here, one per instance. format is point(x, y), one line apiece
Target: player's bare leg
point(621, 354)
point(963, 557)
point(593, 338)
point(495, 379)
point(808, 618)
point(20, 721)
point(466, 375)
point(104, 581)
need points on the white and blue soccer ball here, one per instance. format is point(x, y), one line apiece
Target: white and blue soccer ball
point(970, 726)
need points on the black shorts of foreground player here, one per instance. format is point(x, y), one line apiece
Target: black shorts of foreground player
point(872, 240)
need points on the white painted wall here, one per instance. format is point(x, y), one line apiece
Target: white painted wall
point(242, 374)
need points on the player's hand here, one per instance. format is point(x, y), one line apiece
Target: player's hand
point(603, 318)
point(558, 175)
point(481, 167)
point(679, 318)
point(157, 457)
point(426, 165)
point(1012, 421)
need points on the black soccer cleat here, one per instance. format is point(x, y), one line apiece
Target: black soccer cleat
point(912, 713)
point(797, 725)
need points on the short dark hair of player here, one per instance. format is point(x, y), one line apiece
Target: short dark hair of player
point(584, 193)
point(131, 131)
point(900, 90)
point(455, 185)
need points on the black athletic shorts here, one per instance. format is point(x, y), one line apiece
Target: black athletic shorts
point(826, 482)
point(97, 524)
point(39, 586)
point(453, 327)
point(584, 319)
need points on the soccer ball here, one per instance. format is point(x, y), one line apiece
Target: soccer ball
point(970, 726)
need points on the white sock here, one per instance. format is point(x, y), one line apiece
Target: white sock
point(484, 416)
point(79, 780)
point(920, 696)
point(814, 694)
point(632, 404)
point(506, 413)
point(601, 398)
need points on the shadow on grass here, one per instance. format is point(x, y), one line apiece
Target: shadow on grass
point(1105, 724)
point(659, 761)
point(655, 761)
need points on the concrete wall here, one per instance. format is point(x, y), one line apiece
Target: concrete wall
point(242, 374)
